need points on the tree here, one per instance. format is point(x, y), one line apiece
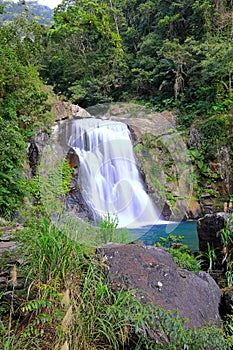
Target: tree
point(90, 66)
point(160, 50)
point(22, 106)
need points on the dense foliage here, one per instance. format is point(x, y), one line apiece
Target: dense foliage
point(23, 105)
point(168, 52)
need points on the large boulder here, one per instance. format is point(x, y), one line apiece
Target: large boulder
point(155, 274)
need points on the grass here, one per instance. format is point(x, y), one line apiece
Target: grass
point(68, 303)
point(180, 252)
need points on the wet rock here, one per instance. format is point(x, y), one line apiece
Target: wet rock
point(75, 201)
point(167, 211)
point(209, 233)
point(72, 159)
point(154, 272)
point(33, 157)
point(36, 146)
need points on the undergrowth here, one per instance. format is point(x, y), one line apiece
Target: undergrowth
point(180, 252)
point(68, 303)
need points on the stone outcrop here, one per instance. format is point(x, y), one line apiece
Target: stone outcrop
point(74, 200)
point(136, 135)
point(9, 257)
point(61, 111)
point(66, 110)
point(209, 231)
point(144, 119)
point(35, 149)
point(209, 234)
point(154, 273)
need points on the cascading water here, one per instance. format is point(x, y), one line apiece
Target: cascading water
point(109, 177)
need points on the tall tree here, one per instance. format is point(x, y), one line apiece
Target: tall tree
point(155, 49)
point(90, 66)
point(22, 106)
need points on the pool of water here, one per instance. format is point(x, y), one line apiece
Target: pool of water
point(150, 235)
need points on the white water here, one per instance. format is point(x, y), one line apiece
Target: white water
point(109, 177)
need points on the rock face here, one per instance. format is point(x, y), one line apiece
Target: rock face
point(74, 200)
point(227, 302)
point(154, 272)
point(208, 229)
point(35, 149)
point(9, 257)
point(65, 110)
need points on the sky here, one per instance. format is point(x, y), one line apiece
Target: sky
point(50, 3)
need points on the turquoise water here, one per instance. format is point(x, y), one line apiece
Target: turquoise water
point(150, 235)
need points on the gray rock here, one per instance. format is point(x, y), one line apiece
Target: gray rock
point(195, 138)
point(154, 272)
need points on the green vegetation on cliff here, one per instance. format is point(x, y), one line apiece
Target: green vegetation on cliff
point(23, 106)
point(177, 53)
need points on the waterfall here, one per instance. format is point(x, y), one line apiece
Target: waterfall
point(109, 178)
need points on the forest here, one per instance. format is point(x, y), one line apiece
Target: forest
point(162, 54)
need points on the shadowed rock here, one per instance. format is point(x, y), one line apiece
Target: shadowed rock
point(209, 232)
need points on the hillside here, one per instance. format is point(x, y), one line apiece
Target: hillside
point(11, 10)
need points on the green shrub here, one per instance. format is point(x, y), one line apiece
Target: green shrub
point(108, 232)
point(55, 253)
point(185, 259)
point(180, 252)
